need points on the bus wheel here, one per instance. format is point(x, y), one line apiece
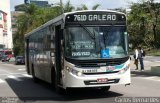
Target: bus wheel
point(54, 83)
point(105, 89)
point(35, 79)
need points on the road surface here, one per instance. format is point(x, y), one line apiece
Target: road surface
point(16, 85)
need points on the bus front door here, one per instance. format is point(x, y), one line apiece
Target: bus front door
point(58, 52)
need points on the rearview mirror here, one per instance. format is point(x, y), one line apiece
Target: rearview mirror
point(52, 54)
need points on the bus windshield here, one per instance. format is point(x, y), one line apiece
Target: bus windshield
point(92, 42)
point(8, 52)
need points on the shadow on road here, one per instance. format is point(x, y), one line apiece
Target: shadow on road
point(27, 90)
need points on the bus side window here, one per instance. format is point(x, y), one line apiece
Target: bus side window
point(52, 39)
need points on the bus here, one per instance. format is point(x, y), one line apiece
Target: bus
point(6, 54)
point(81, 49)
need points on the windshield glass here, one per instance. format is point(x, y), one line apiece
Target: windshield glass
point(19, 57)
point(95, 42)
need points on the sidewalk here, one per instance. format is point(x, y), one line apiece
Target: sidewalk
point(11, 61)
point(147, 68)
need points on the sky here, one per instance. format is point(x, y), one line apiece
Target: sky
point(105, 4)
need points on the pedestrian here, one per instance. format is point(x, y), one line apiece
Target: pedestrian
point(136, 58)
point(140, 57)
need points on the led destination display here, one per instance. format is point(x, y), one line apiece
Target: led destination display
point(96, 17)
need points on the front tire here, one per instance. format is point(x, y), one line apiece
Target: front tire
point(55, 83)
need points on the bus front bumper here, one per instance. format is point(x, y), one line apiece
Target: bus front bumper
point(73, 81)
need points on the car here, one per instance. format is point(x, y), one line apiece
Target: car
point(19, 60)
point(1, 55)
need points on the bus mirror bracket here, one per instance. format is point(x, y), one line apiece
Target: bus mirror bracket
point(61, 33)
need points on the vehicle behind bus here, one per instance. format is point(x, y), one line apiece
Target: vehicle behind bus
point(80, 49)
point(5, 55)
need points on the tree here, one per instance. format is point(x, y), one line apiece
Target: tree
point(84, 7)
point(154, 14)
point(95, 6)
point(31, 19)
point(21, 7)
point(24, 22)
point(143, 24)
point(120, 9)
point(68, 7)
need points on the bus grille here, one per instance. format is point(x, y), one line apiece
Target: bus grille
point(99, 63)
point(101, 73)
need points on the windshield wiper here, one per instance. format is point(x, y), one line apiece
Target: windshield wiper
point(89, 32)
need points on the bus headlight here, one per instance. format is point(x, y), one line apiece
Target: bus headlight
point(124, 69)
point(68, 68)
point(73, 71)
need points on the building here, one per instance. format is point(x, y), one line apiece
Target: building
point(14, 16)
point(5, 25)
point(39, 3)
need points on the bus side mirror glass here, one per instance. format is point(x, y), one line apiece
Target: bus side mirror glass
point(126, 41)
point(52, 54)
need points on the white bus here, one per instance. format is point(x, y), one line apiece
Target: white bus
point(80, 49)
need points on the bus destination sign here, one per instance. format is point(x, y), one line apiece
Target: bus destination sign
point(93, 17)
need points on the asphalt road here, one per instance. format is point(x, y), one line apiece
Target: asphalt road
point(16, 85)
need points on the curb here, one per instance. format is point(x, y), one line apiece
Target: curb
point(149, 73)
point(10, 62)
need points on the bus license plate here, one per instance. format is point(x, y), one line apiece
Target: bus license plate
point(102, 80)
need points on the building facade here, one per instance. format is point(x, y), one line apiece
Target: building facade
point(39, 3)
point(14, 16)
point(5, 25)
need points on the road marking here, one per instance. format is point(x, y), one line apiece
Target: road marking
point(26, 75)
point(21, 69)
point(152, 77)
point(2, 81)
point(13, 77)
point(5, 71)
point(12, 74)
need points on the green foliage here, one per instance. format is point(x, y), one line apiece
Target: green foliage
point(84, 7)
point(33, 17)
point(68, 7)
point(144, 25)
point(96, 6)
point(154, 52)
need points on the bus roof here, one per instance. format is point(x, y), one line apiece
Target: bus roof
point(5, 50)
point(93, 11)
point(62, 17)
